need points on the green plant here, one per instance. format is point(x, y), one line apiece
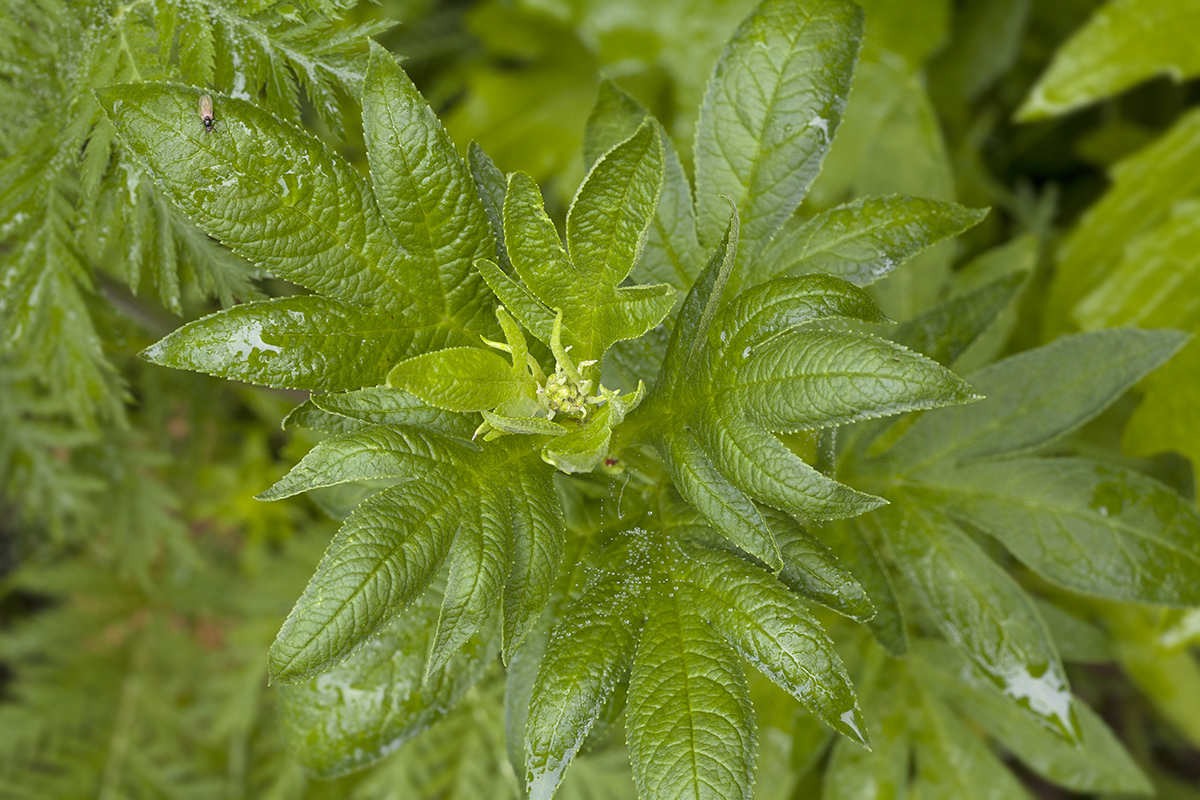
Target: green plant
point(585, 480)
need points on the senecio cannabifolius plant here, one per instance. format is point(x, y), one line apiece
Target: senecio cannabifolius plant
point(591, 457)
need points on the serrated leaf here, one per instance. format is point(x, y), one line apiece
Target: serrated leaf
point(1024, 410)
point(674, 612)
point(1124, 43)
point(1095, 528)
point(463, 379)
point(384, 405)
point(575, 678)
point(492, 186)
point(364, 708)
point(771, 630)
point(733, 377)
point(1097, 763)
point(477, 506)
point(282, 200)
point(424, 190)
point(983, 611)
point(810, 568)
point(672, 253)
point(862, 241)
point(677, 751)
point(306, 342)
point(382, 559)
point(605, 230)
point(773, 105)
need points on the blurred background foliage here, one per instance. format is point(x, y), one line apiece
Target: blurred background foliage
point(141, 585)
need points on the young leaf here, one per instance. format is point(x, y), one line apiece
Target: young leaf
point(672, 253)
point(770, 113)
point(463, 379)
point(605, 230)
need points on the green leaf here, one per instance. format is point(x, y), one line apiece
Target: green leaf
point(734, 377)
point(675, 614)
point(283, 201)
point(984, 612)
point(1157, 280)
point(384, 405)
point(1096, 763)
point(690, 725)
point(858, 543)
point(1124, 43)
point(492, 186)
point(952, 762)
point(493, 511)
point(882, 771)
point(305, 342)
point(770, 629)
point(1024, 409)
point(672, 253)
point(810, 568)
point(424, 191)
point(946, 332)
point(605, 229)
point(862, 241)
point(773, 105)
point(365, 707)
point(464, 379)
point(383, 558)
point(583, 448)
point(1094, 528)
point(576, 677)
point(1146, 187)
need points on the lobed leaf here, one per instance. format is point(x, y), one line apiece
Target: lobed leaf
point(381, 696)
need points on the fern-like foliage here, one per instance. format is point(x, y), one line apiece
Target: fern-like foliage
point(73, 204)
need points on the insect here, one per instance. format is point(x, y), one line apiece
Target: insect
point(206, 112)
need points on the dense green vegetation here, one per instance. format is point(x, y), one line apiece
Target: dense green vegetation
point(682, 399)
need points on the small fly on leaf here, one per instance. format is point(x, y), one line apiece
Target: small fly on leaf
point(206, 113)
